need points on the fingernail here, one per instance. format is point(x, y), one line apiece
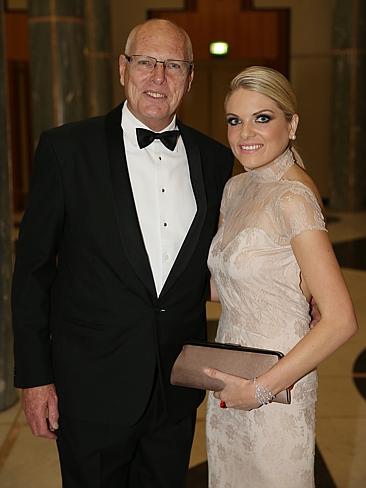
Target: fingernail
point(223, 404)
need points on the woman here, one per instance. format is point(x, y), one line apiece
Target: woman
point(270, 256)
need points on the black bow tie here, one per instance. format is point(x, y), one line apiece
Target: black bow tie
point(168, 138)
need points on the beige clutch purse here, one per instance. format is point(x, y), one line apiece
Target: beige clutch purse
point(247, 362)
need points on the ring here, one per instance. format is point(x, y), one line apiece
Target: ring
point(222, 404)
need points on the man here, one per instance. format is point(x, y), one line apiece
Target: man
point(111, 278)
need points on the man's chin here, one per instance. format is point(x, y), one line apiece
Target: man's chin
point(154, 111)
point(156, 116)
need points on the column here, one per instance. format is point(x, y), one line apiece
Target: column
point(348, 149)
point(98, 57)
point(7, 392)
point(57, 68)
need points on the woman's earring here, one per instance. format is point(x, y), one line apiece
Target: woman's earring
point(293, 137)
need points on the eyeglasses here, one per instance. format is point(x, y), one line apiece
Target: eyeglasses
point(146, 64)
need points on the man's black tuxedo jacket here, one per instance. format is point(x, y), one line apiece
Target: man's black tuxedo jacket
point(85, 311)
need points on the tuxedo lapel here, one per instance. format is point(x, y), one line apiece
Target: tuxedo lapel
point(191, 239)
point(129, 228)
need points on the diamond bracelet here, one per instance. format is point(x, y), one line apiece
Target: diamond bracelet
point(262, 393)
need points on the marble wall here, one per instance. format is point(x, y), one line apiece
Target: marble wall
point(7, 392)
point(349, 105)
point(70, 61)
point(56, 41)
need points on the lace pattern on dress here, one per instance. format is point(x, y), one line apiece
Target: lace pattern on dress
point(262, 199)
point(257, 278)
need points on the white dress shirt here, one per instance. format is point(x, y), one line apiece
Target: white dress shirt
point(163, 195)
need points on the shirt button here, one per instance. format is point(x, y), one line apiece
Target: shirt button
point(163, 190)
point(165, 224)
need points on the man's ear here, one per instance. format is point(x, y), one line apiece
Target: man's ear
point(190, 79)
point(122, 61)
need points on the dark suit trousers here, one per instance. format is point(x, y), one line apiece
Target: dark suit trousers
point(154, 453)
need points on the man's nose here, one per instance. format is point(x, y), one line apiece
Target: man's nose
point(158, 73)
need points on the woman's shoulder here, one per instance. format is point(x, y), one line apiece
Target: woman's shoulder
point(298, 205)
point(297, 178)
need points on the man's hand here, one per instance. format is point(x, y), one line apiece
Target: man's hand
point(40, 408)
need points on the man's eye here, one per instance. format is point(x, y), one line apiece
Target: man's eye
point(173, 65)
point(233, 121)
point(145, 62)
point(263, 118)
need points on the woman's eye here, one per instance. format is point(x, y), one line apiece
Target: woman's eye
point(233, 121)
point(263, 118)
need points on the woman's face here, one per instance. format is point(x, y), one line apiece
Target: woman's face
point(258, 131)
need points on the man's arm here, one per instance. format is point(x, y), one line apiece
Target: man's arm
point(34, 274)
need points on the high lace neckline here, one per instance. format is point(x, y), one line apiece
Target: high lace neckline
point(274, 171)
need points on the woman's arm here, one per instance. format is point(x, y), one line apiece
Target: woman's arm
point(323, 277)
point(321, 272)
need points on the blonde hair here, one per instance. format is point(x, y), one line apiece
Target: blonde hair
point(273, 84)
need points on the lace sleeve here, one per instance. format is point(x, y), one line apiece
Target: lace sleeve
point(297, 211)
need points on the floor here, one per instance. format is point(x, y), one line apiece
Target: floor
point(28, 462)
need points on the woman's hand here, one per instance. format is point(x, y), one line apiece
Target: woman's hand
point(238, 392)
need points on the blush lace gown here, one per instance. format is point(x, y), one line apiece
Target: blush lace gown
point(258, 281)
